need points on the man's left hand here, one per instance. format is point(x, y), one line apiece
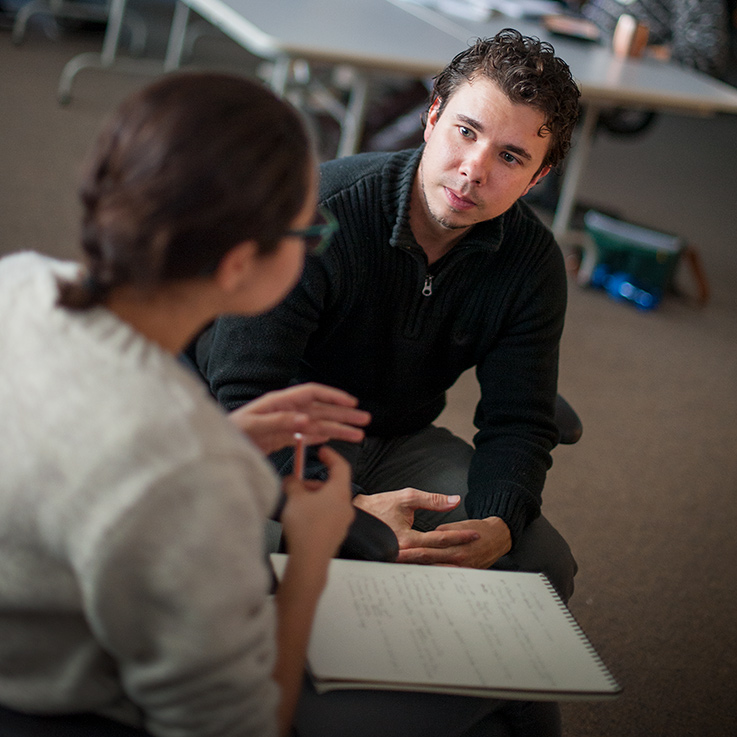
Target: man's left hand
point(493, 542)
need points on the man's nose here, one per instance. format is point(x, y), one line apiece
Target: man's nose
point(476, 166)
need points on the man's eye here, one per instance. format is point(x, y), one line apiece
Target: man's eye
point(509, 158)
point(465, 132)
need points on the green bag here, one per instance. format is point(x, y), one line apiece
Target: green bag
point(648, 256)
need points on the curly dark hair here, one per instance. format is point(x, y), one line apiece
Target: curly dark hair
point(186, 169)
point(527, 71)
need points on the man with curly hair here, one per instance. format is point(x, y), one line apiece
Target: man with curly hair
point(438, 267)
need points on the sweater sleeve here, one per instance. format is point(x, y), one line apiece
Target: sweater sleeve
point(176, 592)
point(518, 378)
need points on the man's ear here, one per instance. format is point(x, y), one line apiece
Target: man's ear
point(432, 118)
point(540, 175)
point(236, 267)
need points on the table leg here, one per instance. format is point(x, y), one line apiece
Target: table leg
point(108, 58)
point(355, 115)
point(351, 118)
point(574, 168)
point(105, 59)
point(112, 32)
point(279, 76)
point(177, 36)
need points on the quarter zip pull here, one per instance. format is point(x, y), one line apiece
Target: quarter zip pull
point(427, 288)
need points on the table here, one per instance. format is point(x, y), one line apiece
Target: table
point(382, 36)
point(369, 36)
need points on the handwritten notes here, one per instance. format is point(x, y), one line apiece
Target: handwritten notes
point(448, 629)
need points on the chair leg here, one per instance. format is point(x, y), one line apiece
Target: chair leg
point(24, 14)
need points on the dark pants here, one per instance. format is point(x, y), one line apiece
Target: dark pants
point(16, 724)
point(435, 460)
point(410, 714)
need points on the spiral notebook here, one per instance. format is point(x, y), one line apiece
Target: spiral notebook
point(450, 630)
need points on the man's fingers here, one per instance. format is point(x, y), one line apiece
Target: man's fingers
point(417, 499)
point(438, 538)
point(429, 556)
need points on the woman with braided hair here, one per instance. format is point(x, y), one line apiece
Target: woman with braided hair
point(132, 580)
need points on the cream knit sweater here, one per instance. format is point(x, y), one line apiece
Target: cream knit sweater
point(132, 581)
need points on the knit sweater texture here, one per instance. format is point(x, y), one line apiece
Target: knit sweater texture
point(132, 580)
point(371, 317)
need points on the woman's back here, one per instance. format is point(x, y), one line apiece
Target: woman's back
point(130, 517)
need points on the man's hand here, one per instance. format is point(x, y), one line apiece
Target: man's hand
point(494, 540)
point(397, 509)
point(319, 412)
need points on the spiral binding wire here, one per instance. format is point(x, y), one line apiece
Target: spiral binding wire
point(616, 688)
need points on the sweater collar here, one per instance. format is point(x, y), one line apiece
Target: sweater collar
point(398, 177)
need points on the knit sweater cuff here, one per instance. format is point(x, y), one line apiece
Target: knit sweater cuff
point(508, 502)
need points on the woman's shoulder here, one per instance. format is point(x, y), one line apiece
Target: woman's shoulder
point(33, 274)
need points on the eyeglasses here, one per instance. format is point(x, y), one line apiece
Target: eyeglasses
point(317, 237)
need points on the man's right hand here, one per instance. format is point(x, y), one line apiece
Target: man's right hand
point(397, 509)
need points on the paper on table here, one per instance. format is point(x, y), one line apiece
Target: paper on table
point(483, 9)
point(524, 8)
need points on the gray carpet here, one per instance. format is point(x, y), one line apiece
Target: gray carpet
point(647, 498)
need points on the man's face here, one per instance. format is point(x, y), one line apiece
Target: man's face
point(481, 155)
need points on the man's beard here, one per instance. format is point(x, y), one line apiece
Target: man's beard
point(439, 219)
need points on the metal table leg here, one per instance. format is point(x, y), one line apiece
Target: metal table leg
point(355, 116)
point(574, 168)
point(177, 36)
point(108, 58)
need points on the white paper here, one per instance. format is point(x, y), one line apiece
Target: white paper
point(450, 629)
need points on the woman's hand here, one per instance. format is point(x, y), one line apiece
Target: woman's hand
point(315, 520)
point(317, 514)
point(319, 412)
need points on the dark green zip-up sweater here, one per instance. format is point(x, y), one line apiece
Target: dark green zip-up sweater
point(370, 317)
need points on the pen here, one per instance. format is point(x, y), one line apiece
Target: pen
point(299, 455)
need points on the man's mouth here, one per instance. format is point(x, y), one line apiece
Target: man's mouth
point(457, 201)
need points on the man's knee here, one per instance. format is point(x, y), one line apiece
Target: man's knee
point(542, 549)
